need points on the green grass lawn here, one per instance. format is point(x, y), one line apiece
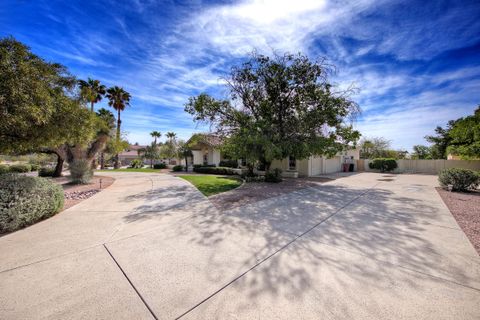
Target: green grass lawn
point(210, 185)
point(132, 170)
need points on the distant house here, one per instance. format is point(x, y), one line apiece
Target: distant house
point(206, 151)
point(125, 157)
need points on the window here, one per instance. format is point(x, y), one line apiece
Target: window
point(205, 159)
point(292, 163)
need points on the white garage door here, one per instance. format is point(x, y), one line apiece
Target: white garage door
point(317, 163)
point(332, 165)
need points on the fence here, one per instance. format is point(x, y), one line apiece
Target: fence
point(424, 166)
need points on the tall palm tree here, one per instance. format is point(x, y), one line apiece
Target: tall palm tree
point(155, 135)
point(92, 91)
point(119, 99)
point(109, 119)
point(171, 135)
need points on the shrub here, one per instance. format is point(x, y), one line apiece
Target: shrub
point(196, 166)
point(4, 168)
point(46, 172)
point(34, 167)
point(177, 168)
point(215, 170)
point(159, 166)
point(81, 171)
point(228, 163)
point(383, 164)
point(273, 176)
point(136, 164)
point(21, 168)
point(460, 179)
point(25, 200)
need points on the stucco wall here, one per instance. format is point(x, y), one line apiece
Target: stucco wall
point(429, 166)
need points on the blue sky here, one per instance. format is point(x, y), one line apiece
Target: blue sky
point(416, 63)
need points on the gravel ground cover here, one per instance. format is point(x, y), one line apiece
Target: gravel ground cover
point(465, 207)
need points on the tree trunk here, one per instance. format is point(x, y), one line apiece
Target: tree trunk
point(117, 162)
point(58, 167)
point(91, 106)
point(151, 163)
point(102, 160)
point(186, 164)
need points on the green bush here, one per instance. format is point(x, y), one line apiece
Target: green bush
point(136, 164)
point(81, 171)
point(383, 164)
point(21, 168)
point(273, 176)
point(34, 167)
point(46, 172)
point(4, 168)
point(25, 200)
point(215, 170)
point(159, 166)
point(228, 163)
point(177, 168)
point(460, 179)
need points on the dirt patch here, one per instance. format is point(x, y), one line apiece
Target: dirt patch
point(465, 207)
point(256, 191)
point(76, 193)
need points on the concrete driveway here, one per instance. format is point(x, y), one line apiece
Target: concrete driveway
point(367, 246)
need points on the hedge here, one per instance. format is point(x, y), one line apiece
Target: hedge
point(215, 170)
point(25, 200)
point(159, 166)
point(383, 164)
point(177, 168)
point(459, 179)
point(228, 163)
point(4, 168)
point(21, 168)
point(46, 172)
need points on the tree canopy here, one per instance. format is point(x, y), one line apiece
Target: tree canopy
point(465, 136)
point(36, 102)
point(279, 106)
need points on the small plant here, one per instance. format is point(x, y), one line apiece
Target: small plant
point(273, 176)
point(383, 164)
point(4, 169)
point(228, 163)
point(177, 168)
point(159, 166)
point(81, 171)
point(46, 172)
point(136, 164)
point(34, 167)
point(459, 179)
point(25, 200)
point(20, 168)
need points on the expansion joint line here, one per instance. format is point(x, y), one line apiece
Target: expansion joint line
point(131, 284)
point(277, 251)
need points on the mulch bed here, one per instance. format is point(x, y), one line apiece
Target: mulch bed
point(465, 207)
point(256, 191)
point(76, 193)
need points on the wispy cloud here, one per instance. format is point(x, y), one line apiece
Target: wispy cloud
point(410, 59)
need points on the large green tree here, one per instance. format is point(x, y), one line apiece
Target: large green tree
point(279, 106)
point(440, 141)
point(465, 137)
point(421, 152)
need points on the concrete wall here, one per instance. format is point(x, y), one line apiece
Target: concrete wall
point(428, 166)
point(332, 165)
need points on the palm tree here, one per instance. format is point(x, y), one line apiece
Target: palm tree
point(92, 91)
point(171, 135)
point(109, 119)
point(155, 135)
point(119, 99)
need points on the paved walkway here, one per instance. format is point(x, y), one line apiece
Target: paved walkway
point(151, 246)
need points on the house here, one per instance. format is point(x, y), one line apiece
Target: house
point(206, 151)
point(317, 165)
point(125, 157)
